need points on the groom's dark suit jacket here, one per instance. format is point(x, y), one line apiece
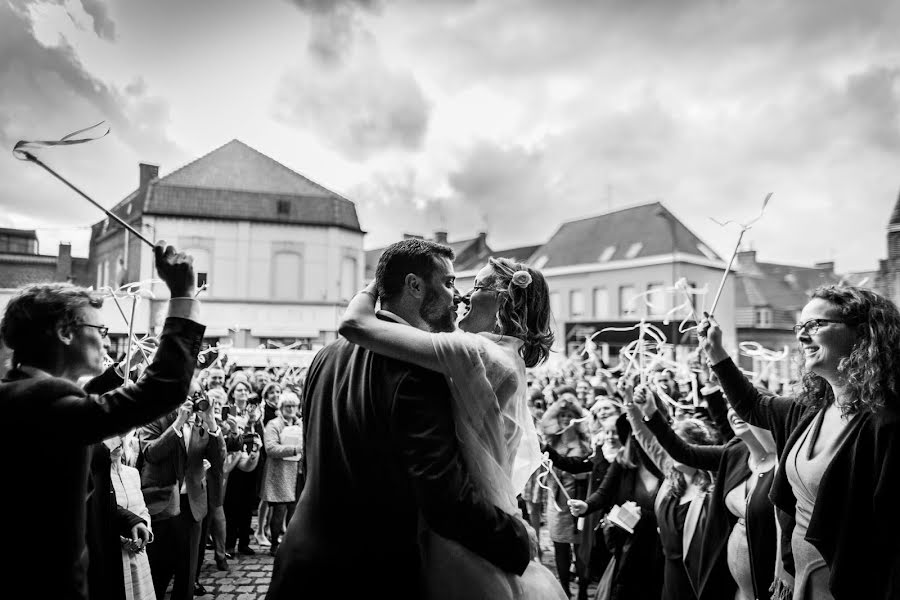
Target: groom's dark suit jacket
point(381, 453)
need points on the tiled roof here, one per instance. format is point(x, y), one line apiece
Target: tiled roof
point(629, 233)
point(779, 286)
point(236, 182)
point(520, 254)
point(470, 254)
point(895, 216)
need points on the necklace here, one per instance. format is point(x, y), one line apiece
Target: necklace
point(759, 469)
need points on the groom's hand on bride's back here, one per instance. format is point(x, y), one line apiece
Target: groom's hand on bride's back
point(533, 543)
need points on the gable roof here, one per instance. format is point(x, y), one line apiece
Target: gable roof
point(470, 253)
point(895, 215)
point(237, 182)
point(779, 286)
point(520, 254)
point(240, 168)
point(629, 233)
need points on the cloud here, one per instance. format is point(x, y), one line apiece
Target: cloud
point(361, 109)
point(334, 27)
point(45, 93)
point(103, 24)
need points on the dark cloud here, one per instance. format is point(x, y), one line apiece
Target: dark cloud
point(360, 109)
point(335, 27)
point(45, 93)
point(103, 24)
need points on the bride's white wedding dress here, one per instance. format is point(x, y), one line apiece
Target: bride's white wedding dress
point(499, 443)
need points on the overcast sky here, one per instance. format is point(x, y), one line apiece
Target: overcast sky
point(509, 116)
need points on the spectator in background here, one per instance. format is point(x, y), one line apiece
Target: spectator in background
point(173, 481)
point(57, 336)
point(284, 444)
point(564, 429)
point(126, 482)
point(238, 396)
point(241, 491)
point(270, 395)
point(216, 378)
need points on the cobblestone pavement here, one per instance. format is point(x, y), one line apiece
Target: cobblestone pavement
point(248, 577)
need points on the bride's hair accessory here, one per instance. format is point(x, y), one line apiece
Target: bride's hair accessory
point(521, 279)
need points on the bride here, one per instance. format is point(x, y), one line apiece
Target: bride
point(505, 329)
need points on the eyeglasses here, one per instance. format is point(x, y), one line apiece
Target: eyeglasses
point(812, 326)
point(478, 288)
point(103, 330)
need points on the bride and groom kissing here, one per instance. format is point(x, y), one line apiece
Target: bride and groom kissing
point(418, 439)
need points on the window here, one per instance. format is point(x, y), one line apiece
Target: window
point(634, 249)
point(627, 301)
point(105, 281)
point(541, 261)
point(349, 284)
point(99, 274)
point(601, 302)
point(656, 300)
point(287, 283)
point(201, 266)
point(555, 305)
point(576, 303)
point(607, 254)
point(763, 317)
point(283, 207)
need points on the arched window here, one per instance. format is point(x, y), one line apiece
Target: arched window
point(288, 276)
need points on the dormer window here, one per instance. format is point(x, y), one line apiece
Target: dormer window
point(283, 207)
point(607, 254)
point(634, 250)
point(541, 261)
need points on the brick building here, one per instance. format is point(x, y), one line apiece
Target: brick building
point(21, 263)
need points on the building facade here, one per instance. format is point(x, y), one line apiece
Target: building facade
point(615, 269)
point(277, 255)
point(769, 298)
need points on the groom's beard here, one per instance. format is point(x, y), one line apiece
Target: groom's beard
point(439, 318)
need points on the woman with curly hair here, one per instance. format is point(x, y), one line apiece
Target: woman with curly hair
point(838, 442)
point(505, 329)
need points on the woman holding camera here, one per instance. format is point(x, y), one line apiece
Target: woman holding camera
point(838, 443)
point(240, 492)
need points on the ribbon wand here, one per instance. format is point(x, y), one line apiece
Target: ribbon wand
point(20, 151)
point(737, 247)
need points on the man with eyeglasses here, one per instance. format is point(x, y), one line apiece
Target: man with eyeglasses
point(57, 337)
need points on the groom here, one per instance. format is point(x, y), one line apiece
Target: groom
point(382, 457)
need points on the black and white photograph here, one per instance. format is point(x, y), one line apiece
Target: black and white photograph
point(450, 299)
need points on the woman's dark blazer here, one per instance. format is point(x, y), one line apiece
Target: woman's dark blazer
point(729, 463)
point(855, 523)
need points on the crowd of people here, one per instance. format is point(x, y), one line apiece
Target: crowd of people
point(720, 488)
point(693, 482)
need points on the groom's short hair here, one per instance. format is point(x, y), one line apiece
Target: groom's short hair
point(412, 255)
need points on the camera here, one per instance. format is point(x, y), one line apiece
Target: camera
point(200, 400)
point(249, 441)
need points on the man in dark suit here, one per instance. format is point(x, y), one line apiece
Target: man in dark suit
point(173, 480)
point(57, 337)
point(381, 453)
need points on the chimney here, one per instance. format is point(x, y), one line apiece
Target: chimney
point(825, 266)
point(440, 237)
point(64, 262)
point(411, 236)
point(148, 173)
point(482, 240)
point(746, 259)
